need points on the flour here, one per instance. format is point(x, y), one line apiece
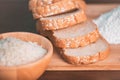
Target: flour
point(109, 26)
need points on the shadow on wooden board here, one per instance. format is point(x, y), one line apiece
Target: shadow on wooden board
point(81, 75)
point(102, 1)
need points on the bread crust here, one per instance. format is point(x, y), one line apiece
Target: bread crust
point(85, 59)
point(81, 4)
point(41, 31)
point(67, 21)
point(59, 6)
point(32, 4)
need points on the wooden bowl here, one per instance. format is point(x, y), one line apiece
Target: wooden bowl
point(30, 71)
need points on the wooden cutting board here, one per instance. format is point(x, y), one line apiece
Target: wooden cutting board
point(111, 63)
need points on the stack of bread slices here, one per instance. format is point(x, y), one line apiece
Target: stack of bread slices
point(65, 23)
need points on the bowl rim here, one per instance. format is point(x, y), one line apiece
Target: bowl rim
point(48, 54)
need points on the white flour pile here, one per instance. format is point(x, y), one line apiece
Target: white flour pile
point(109, 26)
point(14, 52)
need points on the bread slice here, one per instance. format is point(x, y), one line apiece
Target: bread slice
point(75, 36)
point(53, 8)
point(89, 54)
point(44, 8)
point(64, 20)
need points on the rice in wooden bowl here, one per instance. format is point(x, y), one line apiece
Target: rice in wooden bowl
point(12, 68)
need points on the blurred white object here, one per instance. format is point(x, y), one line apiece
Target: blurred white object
point(109, 25)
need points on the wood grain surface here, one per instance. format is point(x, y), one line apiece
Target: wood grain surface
point(81, 75)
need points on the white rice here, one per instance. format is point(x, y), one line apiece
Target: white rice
point(15, 52)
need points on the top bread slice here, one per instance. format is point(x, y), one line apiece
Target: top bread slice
point(88, 54)
point(63, 20)
point(74, 36)
point(44, 8)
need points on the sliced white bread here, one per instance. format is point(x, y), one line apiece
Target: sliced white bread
point(44, 8)
point(88, 54)
point(63, 20)
point(78, 35)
